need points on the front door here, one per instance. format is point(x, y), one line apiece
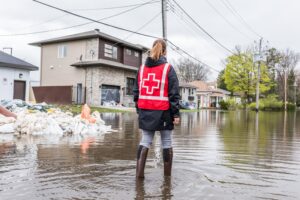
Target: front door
point(19, 90)
point(79, 94)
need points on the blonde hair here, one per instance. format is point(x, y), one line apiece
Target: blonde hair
point(158, 49)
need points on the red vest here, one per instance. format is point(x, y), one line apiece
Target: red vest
point(153, 87)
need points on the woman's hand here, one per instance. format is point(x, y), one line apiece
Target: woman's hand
point(176, 120)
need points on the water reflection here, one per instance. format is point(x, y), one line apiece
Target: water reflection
point(164, 192)
point(217, 155)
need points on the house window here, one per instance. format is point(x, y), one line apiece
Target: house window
point(110, 51)
point(62, 51)
point(129, 86)
point(128, 52)
point(136, 54)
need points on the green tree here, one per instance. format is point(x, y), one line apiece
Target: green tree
point(273, 59)
point(221, 80)
point(241, 75)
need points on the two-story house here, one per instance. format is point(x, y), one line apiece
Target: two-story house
point(99, 68)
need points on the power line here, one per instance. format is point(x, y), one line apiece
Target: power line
point(226, 20)
point(78, 25)
point(230, 7)
point(189, 25)
point(185, 52)
point(105, 8)
point(93, 20)
point(140, 28)
point(44, 22)
point(202, 29)
point(114, 7)
point(127, 30)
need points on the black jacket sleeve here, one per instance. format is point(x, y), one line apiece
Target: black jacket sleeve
point(136, 89)
point(173, 91)
point(136, 92)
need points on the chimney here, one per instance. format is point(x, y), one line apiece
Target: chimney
point(8, 50)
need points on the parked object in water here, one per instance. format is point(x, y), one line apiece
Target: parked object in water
point(187, 105)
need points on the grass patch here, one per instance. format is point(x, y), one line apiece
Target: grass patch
point(185, 110)
point(76, 109)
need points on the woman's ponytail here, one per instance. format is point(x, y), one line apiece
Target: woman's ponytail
point(158, 49)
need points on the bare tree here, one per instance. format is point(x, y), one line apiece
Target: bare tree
point(189, 70)
point(286, 67)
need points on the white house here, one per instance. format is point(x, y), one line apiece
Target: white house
point(14, 77)
point(209, 95)
point(188, 92)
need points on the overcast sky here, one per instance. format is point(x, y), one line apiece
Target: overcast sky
point(276, 20)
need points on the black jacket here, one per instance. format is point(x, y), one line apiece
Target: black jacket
point(156, 120)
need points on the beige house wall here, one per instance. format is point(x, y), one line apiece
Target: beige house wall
point(57, 71)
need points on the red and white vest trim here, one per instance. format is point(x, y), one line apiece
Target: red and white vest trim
point(153, 87)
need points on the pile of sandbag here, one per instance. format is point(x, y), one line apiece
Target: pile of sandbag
point(53, 121)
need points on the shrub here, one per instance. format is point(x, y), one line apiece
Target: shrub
point(224, 105)
point(229, 104)
point(269, 103)
point(290, 106)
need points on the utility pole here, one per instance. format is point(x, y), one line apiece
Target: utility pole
point(258, 75)
point(164, 18)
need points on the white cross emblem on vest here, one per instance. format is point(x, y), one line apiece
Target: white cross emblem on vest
point(150, 79)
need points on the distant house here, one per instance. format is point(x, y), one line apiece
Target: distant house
point(208, 95)
point(14, 77)
point(91, 67)
point(188, 92)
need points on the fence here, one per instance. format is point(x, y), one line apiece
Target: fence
point(59, 94)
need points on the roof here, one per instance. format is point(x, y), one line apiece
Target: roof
point(10, 61)
point(87, 35)
point(207, 87)
point(200, 85)
point(104, 63)
point(187, 85)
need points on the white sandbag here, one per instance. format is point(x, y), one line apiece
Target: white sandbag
point(6, 120)
point(7, 128)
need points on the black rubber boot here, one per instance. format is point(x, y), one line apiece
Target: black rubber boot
point(141, 161)
point(168, 158)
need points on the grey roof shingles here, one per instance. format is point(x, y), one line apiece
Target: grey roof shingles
point(10, 61)
point(86, 35)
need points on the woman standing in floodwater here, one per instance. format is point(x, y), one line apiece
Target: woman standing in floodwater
point(156, 93)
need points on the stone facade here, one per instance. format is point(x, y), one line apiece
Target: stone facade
point(97, 76)
point(92, 49)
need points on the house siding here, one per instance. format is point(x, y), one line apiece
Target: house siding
point(7, 78)
point(132, 60)
point(102, 42)
point(57, 71)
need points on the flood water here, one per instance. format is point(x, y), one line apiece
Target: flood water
point(217, 155)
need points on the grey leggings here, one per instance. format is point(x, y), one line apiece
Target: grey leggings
point(166, 138)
